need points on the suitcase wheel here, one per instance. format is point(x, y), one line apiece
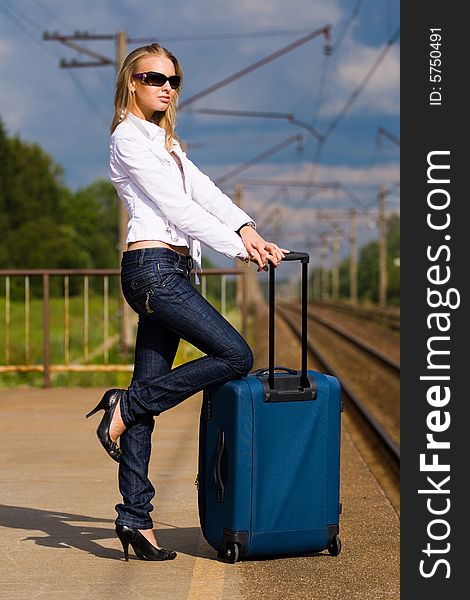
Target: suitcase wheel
point(232, 552)
point(335, 547)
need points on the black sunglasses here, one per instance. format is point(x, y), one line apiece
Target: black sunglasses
point(158, 79)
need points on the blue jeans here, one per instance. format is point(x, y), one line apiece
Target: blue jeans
point(155, 283)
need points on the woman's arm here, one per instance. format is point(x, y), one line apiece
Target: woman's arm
point(259, 250)
point(144, 170)
point(212, 199)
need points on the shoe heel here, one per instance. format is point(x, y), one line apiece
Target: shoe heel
point(92, 412)
point(125, 547)
point(100, 406)
point(124, 539)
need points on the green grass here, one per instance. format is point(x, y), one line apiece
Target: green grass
point(18, 352)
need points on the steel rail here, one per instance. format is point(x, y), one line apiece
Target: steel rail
point(376, 313)
point(393, 451)
point(361, 344)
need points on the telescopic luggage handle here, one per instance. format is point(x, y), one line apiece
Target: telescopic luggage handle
point(304, 258)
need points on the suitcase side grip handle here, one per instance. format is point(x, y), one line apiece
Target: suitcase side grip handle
point(219, 484)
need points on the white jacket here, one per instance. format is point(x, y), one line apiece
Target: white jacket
point(150, 183)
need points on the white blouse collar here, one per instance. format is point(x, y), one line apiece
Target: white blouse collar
point(151, 130)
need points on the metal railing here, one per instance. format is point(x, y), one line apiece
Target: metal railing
point(108, 301)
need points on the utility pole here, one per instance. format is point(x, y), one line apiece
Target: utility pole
point(128, 322)
point(239, 265)
point(120, 39)
point(324, 267)
point(252, 288)
point(335, 265)
point(352, 239)
point(353, 261)
point(121, 53)
point(316, 272)
point(383, 279)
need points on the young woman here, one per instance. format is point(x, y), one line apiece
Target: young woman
point(172, 207)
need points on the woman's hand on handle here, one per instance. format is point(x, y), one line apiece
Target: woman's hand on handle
point(259, 250)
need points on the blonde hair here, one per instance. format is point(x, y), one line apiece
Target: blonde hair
point(123, 96)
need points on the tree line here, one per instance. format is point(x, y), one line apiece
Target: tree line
point(46, 225)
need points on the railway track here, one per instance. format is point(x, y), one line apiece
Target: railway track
point(385, 316)
point(370, 384)
point(373, 352)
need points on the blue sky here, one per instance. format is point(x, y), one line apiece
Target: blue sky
point(68, 111)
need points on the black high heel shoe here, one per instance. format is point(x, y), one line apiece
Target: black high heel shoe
point(142, 547)
point(108, 403)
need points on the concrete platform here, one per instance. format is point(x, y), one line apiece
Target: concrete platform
point(58, 489)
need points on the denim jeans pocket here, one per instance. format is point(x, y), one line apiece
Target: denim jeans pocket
point(140, 284)
point(134, 282)
point(167, 274)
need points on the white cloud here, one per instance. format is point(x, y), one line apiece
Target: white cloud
point(382, 90)
point(40, 101)
point(263, 14)
point(387, 173)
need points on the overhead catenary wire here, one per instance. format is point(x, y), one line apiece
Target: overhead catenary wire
point(17, 19)
point(320, 138)
point(327, 61)
point(94, 105)
point(337, 44)
point(347, 26)
point(21, 15)
point(231, 142)
point(258, 114)
point(216, 36)
point(352, 98)
point(382, 132)
point(259, 63)
point(53, 15)
point(321, 87)
point(258, 158)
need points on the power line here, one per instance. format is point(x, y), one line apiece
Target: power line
point(53, 15)
point(362, 85)
point(232, 142)
point(258, 114)
point(88, 98)
point(382, 132)
point(321, 87)
point(17, 20)
point(246, 165)
point(347, 25)
point(334, 123)
point(216, 36)
point(320, 98)
point(323, 30)
point(286, 183)
point(22, 16)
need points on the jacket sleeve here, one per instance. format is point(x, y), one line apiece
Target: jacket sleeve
point(212, 199)
point(151, 176)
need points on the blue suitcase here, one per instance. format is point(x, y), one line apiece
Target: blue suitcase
point(269, 457)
